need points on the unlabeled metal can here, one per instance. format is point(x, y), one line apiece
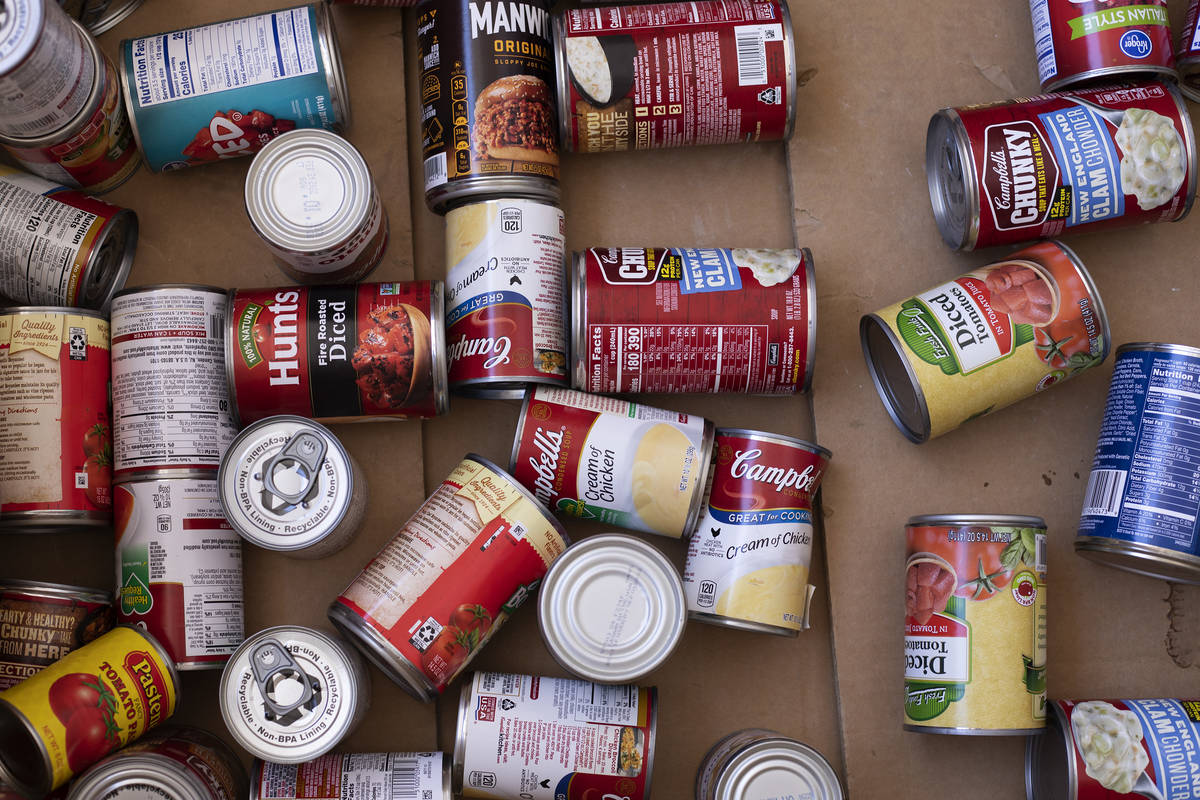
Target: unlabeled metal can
point(461, 565)
point(311, 199)
point(287, 484)
point(998, 334)
point(290, 694)
point(379, 776)
point(635, 77)
point(56, 461)
point(204, 94)
point(505, 297)
point(612, 730)
point(756, 764)
point(99, 16)
point(612, 609)
point(975, 624)
point(1187, 57)
point(42, 622)
point(613, 461)
point(46, 69)
point(170, 398)
point(652, 319)
point(748, 561)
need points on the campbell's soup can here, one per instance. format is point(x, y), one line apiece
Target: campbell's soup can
point(758, 763)
point(620, 463)
point(1187, 56)
point(380, 776)
point(56, 468)
point(653, 319)
point(337, 353)
point(461, 565)
point(47, 70)
point(1013, 171)
point(506, 323)
point(92, 702)
point(42, 622)
point(205, 94)
point(99, 16)
point(612, 729)
point(636, 77)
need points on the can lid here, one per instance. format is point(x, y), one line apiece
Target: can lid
point(21, 23)
point(894, 378)
point(331, 54)
point(1050, 760)
point(133, 776)
point(951, 177)
point(1000, 520)
point(778, 768)
point(111, 260)
point(101, 17)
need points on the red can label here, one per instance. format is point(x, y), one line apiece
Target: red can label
point(199, 754)
point(37, 629)
point(1078, 39)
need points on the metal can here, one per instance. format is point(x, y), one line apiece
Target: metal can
point(748, 562)
point(287, 484)
point(170, 398)
point(727, 74)
point(59, 246)
point(311, 199)
point(611, 609)
point(205, 94)
point(56, 468)
point(1012, 171)
point(998, 334)
point(290, 694)
point(179, 568)
point(99, 16)
point(337, 353)
point(489, 122)
point(461, 565)
point(46, 69)
point(653, 319)
point(754, 763)
point(380, 776)
point(613, 461)
point(612, 729)
point(1187, 57)
point(975, 624)
point(42, 622)
point(506, 297)
point(378, 3)
point(92, 702)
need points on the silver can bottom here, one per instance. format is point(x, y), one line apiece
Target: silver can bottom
point(741, 624)
point(460, 191)
point(52, 521)
point(381, 653)
point(1141, 559)
point(977, 731)
point(1138, 71)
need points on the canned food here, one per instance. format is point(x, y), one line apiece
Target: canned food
point(1187, 57)
point(612, 609)
point(490, 126)
point(313, 202)
point(337, 353)
point(290, 694)
point(170, 397)
point(612, 730)
point(975, 624)
point(92, 702)
point(1013, 171)
point(998, 334)
point(748, 562)
point(56, 470)
point(393, 3)
point(288, 484)
point(613, 461)
point(505, 297)
point(756, 763)
point(99, 16)
point(42, 622)
point(205, 94)
point(652, 319)
point(380, 776)
point(179, 568)
point(61, 247)
point(46, 69)
point(726, 74)
point(461, 565)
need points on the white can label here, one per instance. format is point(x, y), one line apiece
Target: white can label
point(52, 85)
point(373, 776)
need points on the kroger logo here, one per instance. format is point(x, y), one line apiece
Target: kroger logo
point(1136, 44)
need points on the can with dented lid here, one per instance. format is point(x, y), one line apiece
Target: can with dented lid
point(756, 764)
point(99, 16)
point(336, 776)
point(42, 622)
point(46, 69)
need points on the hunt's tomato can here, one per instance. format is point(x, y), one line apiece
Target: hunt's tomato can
point(46, 69)
point(460, 566)
point(386, 776)
point(92, 702)
point(56, 465)
point(42, 622)
point(759, 763)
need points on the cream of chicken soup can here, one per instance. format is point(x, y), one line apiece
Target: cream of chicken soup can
point(758, 764)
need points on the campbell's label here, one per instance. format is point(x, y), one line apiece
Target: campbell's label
point(1080, 39)
point(38, 628)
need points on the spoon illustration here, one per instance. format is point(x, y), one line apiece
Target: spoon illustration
point(1146, 788)
point(1112, 115)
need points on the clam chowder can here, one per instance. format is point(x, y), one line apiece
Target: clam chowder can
point(42, 622)
point(336, 776)
point(46, 69)
point(1187, 56)
point(756, 763)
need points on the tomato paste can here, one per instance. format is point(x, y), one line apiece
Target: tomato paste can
point(612, 729)
point(47, 69)
point(1072, 162)
point(99, 16)
point(462, 564)
point(489, 121)
point(653, 319)
point(1187, 56)
point(506, 323)
point(179, 568)
point(42, 622)
point(616, 462)
point(92, 702)
point(380, 776)
point(637, 77)
point(311, 199)
point(754, 763)
point(290, 694)
point(975, 624)
point(205, 94)
point(337, 353)
point(170, 397)
point(56, 456)
point(748, 561)
point(998, 334)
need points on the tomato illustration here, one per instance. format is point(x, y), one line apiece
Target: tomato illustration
point(471, 617)
point(983, 567)
point(96, 439)
point(74, 692)
point(448, 652)
point(89, 738)
point(99, 478)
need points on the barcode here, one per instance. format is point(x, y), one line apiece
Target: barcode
point(1039, 552)
point(216, 327)
point(751, 56)
point(39, 126)
point(406, 782)
point(435, 171)
point(1103, 495)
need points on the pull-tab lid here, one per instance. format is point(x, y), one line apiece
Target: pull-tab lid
point(284, 686)
point(297, 467)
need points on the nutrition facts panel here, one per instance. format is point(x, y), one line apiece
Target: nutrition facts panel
point(43, 245)
point(679, 358)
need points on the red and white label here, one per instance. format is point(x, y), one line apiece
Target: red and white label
point(338, 776)
point(938, 651)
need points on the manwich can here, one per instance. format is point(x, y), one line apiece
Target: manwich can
point(1187, 57)
point(47, 70)
point(337, 776)
point(99, 16)
point(42, 622)
point(985, 340)
point(757, 763)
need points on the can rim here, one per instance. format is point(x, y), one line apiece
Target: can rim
point(25, 727)
point(380, 652)
point(437, 336)
point(229, 326)
point(154, 287)
point(130, 106)
point(53, 520)
point(778, 438)
point(1097, 302)
point(516, 447)
point(576, 266)
point(708, 618)
point(445, 197)
point(85, 594)
point(872, 323)
point(1140, 558)
point(1078, 80)
point(331, 54)
point(1189, 140)
point(756, 751)
point(789, 61)
point(811, 308)
point(1159, 347)
point(113, 774)
point(652, 724)
point(190, 473)
point(947, 123)
point(566, 114)
point(458, 755)
point(1036, 747)
point(31, 39)
point(75, 310)
point(256, 770)
point(103, 280)
point(982, 520)
point(698, 504)
point(109, 22)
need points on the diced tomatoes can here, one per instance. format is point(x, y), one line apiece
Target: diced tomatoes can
point(758, 763)
point(47, 70)
point(1187, 56)
point(380, 776)
point(41, 622)
point(100, 16)
point(440, 589)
